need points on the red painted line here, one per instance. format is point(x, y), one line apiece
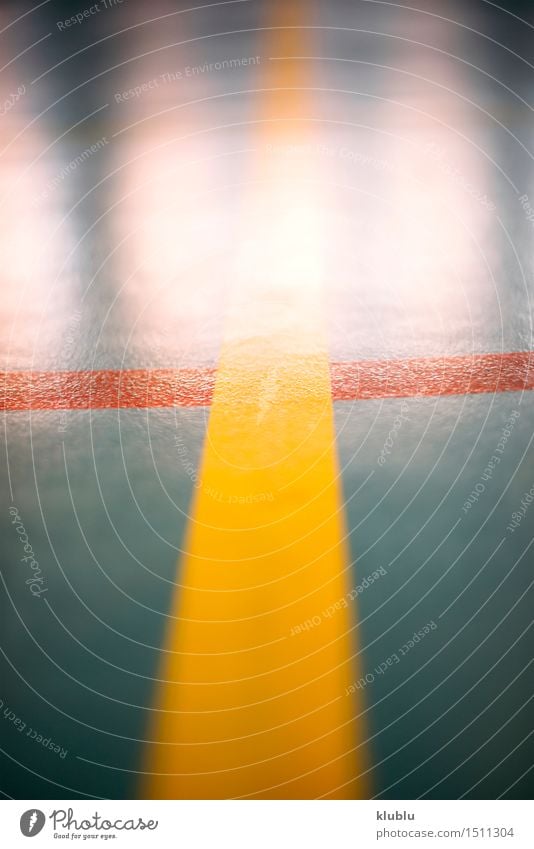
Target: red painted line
point(99, 390)
point(193, 387)
point(427, 376)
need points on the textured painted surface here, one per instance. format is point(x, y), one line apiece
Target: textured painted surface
point(510, 372)
point(256, 703)
point(115, 280)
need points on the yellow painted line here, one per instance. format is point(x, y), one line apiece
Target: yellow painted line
point(262, 652)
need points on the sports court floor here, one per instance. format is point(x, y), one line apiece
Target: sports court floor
point(266, 321)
